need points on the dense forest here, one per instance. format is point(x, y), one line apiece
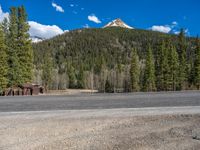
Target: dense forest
point(118, 60)
point(109, 59)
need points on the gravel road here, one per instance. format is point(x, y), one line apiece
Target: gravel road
point(99, 101)
point(174, 128)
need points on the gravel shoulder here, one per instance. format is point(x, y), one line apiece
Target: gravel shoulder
point(107, 129)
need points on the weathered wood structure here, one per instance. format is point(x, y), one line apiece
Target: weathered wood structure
point(25, 89)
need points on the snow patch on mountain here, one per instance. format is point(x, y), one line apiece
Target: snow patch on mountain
point(118, 23)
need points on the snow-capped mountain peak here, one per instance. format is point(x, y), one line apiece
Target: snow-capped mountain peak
point(118, 23)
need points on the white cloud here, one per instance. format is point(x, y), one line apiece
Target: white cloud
point(164, 29)
point(3, 14)
point(185, 30)
point(172, 28)
point(58, 8)
point(174, 23)
point(44, 31)
point(71, 5)
point(86, 26)
point(94, 18)
point(176, 32)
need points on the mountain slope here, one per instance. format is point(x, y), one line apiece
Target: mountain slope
point(104, 42)
point(77, 54)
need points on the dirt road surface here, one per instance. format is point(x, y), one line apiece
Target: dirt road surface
point(168, 128)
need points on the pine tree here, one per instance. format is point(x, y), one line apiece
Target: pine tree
point(108, 87)
point(103, 75)
point(197, 64)
point(174, 66)
point(3, 63)
point(80, 78)
point(159, 66)
point(14, 77)
point(5, 29)
point(127, 80)
point(183, 60)
point(166, 66)
point(47, 70)
point(72, 76)
point(149, 74)
point(135, 71)
point(25, 53)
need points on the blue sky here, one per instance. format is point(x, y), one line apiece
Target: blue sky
point(166, 16)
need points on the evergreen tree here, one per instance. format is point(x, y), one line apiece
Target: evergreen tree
point(197, 64)
point(103, 75)
point(25, 53)
point(80, 78)
point(5, 29)
point(47, 70)
point(135, 71)
point(159, 66)
point(142, 70)
point(72, 76)
point(127, 80)
point(166, 66)
point(108, 87)
point(3, 63)
point(183, 60)
point(14, 77)
point(149, 74)
point(174, 66)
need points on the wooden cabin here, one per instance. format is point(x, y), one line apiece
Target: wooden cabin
point(25, 89)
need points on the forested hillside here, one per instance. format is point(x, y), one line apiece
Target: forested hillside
point(117, 59)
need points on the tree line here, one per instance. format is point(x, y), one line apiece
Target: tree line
point(169, 69)
point(16, 54)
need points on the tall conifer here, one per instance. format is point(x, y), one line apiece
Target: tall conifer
point(197, 64)
point(3, 63)
point(183, 60)
point(159, 66)
point(25, 53)
point(47, 69)
point(135, 71)
point(14, 77)
point(174, 66)
point(149, 74)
